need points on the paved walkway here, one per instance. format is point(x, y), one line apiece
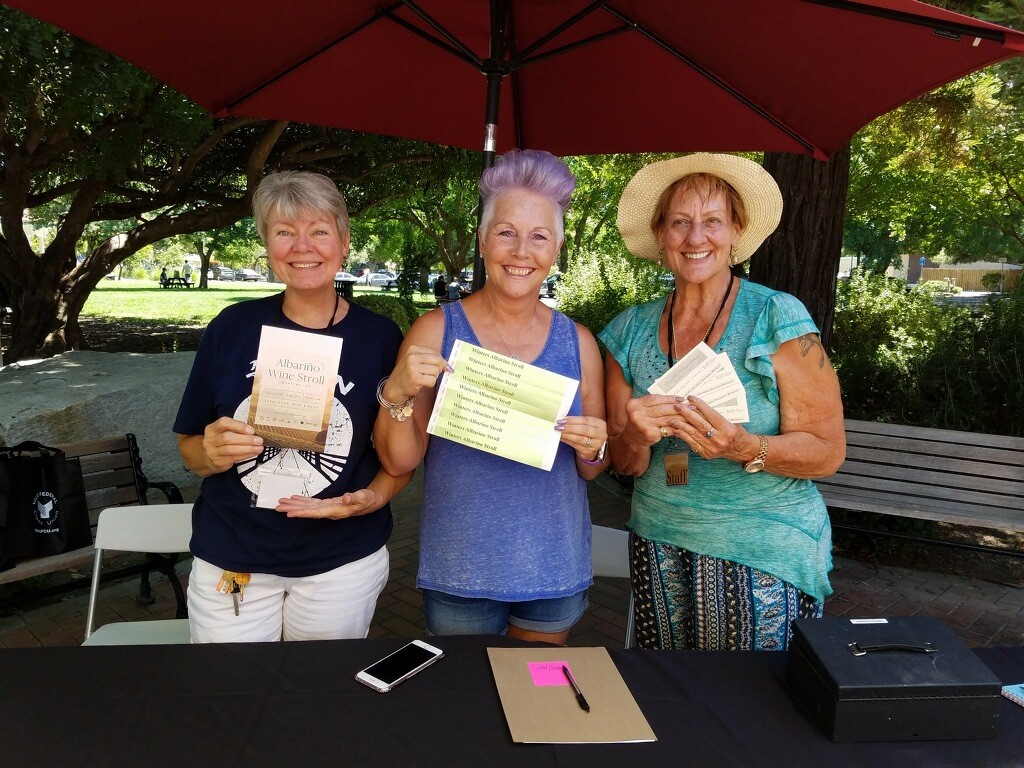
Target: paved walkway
point(982, 612)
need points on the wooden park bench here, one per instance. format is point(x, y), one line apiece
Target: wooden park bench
point(960, 478)
point(112, 471)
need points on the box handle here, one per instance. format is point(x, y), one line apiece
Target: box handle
point(860, 650)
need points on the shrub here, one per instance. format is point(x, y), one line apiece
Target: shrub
point(904, 359)
point(992, 282)
point(402, 311)
point(412, 312)
point(938, 288)
point(596, 288)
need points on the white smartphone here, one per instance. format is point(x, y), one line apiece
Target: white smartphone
point(401, 665)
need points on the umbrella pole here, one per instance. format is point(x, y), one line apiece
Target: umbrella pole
point(490, 142)
point(496, 68)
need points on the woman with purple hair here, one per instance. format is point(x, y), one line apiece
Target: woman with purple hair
point(504, 547)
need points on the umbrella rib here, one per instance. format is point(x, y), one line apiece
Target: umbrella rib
point(467, 53)
point(671, 49)
point(458, 52)
point(381, 13)
point(571, 21)
point(913, 18)
point(517, 64)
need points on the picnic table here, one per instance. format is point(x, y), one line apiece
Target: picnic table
point(176, 282)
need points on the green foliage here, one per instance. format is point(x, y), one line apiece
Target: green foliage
point(402, 311)
point(992, 281)
point(938, 288)
point(598, 287)
point(433, 223)
point(942, 174)
point(904, 358)
point(590, 220)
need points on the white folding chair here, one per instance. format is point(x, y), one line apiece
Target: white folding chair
point(609, 556)
point(156, 528)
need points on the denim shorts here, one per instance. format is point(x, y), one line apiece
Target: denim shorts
point(452, 615)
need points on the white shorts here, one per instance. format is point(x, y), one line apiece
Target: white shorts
point(336, 605)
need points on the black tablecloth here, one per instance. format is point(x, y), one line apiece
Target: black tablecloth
point(297, 705)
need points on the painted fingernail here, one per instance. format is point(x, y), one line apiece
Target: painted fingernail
point(562, 422)
point(560, 427)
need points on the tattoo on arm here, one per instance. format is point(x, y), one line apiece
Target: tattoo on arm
point(807, 344)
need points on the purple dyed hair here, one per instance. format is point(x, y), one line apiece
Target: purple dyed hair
point(533, 170)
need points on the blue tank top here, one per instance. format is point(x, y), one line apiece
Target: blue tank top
point(498, 529)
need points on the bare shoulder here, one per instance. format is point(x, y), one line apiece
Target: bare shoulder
point(428, 331)
point(588, 344)
point(804, 352)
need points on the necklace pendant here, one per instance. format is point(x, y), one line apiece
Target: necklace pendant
point(514, 357)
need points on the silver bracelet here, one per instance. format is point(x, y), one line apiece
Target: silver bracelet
point(398, 411)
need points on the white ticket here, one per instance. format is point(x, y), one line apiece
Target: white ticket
point(710, 377)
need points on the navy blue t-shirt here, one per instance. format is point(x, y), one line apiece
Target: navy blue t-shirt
point(228, 530)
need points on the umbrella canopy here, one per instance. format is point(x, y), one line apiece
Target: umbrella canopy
point(581, 76)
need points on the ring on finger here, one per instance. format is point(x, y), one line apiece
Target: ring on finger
point(588, 441)
point(664, 431)
point(710, 433)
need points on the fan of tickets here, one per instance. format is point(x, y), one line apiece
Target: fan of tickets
point(710, 377)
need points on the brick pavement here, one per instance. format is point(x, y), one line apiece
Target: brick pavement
point(981, 612)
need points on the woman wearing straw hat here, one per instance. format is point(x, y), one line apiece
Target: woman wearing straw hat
point(730, 539)
point(504, 547)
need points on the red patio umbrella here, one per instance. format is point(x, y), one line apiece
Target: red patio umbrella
point(586, 76)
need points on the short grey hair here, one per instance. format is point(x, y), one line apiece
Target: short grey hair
point(294, 193)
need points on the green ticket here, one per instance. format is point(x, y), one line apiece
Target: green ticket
point(501, 406)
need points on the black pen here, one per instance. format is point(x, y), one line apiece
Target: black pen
point(579, 694)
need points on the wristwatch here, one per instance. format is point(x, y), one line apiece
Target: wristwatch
point(757, 463)
point(398, 411)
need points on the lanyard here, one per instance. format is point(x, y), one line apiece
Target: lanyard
point(672, 321)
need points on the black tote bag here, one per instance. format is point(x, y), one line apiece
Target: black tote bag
point(43, 510)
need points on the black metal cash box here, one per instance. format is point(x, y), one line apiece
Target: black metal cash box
point(904, 678)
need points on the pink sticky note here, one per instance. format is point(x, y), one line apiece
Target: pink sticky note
point(548, 672)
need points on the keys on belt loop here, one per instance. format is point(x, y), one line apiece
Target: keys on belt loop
point(233, 583)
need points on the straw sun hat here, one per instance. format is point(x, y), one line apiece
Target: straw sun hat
point(755, 186)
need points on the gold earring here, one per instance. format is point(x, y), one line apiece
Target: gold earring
point(660, 260)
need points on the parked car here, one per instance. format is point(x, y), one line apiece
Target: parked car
point(248, 276)
point(378, 279)
point(220, 273)
point(348, 277)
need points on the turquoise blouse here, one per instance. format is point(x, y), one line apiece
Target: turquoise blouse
point(775, 524)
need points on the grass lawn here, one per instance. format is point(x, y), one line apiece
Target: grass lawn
point(146, 300)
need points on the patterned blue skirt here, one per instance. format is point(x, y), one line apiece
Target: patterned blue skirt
point(683, 600)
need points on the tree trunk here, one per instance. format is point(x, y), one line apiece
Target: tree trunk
point(802, 256)
point(205, 255)
point(45, 320)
